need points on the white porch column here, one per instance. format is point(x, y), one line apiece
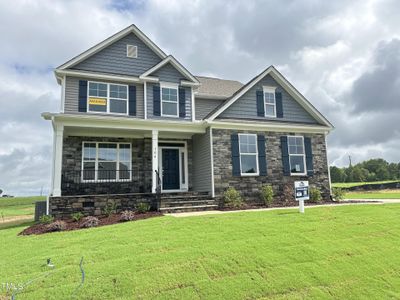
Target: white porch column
point(57, 156)
point(154, 141)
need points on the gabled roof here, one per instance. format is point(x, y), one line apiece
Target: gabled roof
point(130, 29)
point(284, 83)
point(176, 64)
point(216, 88)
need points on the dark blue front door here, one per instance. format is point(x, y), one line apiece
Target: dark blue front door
point(170, 165)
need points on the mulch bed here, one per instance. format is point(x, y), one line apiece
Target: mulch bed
point(103, 221)
point(246, 206)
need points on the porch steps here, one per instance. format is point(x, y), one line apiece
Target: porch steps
point(186, 202)
point(177, 209)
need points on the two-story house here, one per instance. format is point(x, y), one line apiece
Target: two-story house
point(134, 122)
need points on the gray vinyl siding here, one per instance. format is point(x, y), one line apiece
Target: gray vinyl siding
point(202, 165)
point(188, 105)
point(168, 73)
point(113, 59)
point(204, 106)
point(72, 96)
point(246, 106)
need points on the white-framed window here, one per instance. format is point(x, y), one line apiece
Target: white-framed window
point(104, 161)
point(107, 98)
point(248, 154)
point(269, 101)
point(297, 157)
point(131, 51)
point(169, 100)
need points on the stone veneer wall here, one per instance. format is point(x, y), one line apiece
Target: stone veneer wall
point(63, 207)
point(141, 167)
point(249, 186)
point(72, 165)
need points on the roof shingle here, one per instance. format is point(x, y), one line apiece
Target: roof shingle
point(217, 87)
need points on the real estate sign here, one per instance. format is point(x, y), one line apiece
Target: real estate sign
point(97, 101)
point(301, 193)
point(301, 190)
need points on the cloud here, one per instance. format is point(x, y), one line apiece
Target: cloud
point(379, 88)
point(343, 56)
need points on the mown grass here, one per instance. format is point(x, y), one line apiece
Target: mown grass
point(377, 194)
point(353, 184)
point(347, 252)
point(18, 206)
point(16, 201)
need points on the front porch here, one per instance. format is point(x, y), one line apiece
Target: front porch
point(113, 165)
point(160, 167)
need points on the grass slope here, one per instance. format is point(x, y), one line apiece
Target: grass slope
point(352, 184)
point(347, 252)
point(379, 194)
point(18, 206)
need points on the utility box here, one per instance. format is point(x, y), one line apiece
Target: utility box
point(40, 209)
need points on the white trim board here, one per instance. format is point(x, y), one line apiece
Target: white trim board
point(95, 76)
point(100, 46)
point(286, 85)
point(269, 126)
point(177, 65)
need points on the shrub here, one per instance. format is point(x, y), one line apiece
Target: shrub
point(90, 222)
point(267, 194)
point(315, 195)
point(46, 219)
point(232, 198)
point(142, 208)
point(127, 215)
point(57, 226)
point(338, 194)
point(109, 209)
point(77, 216)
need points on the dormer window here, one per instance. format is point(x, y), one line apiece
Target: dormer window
point(269, 101)
point(131, 51)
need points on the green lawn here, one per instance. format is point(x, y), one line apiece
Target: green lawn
point(378, 194)
point(346, 252)
point(352, 184)
point(18, 206)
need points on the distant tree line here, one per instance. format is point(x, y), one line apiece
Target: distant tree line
point(370, 170)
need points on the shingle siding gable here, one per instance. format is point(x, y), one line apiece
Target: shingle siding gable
point(246, 106)
point(113, 59)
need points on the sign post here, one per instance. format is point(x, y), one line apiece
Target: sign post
point(301, 193)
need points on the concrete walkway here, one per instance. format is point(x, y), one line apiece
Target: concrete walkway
point(343, 203)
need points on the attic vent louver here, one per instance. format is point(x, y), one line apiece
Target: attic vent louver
point(131, 51)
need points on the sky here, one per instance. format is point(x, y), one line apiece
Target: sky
point(344, 56)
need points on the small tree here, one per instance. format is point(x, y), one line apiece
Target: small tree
point(1, 192)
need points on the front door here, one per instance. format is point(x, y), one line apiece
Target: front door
point(170, 167)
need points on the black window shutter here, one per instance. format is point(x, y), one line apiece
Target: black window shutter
point(262, 161)
point(235, 155)
point(132, 100)
point(309, 156)
point(279, 105)
point(156, 100)
point(260, 104)
point(82, 104)
point(285, 156)
point(182, 102)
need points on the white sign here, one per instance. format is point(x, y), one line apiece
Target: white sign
point(301, 190)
